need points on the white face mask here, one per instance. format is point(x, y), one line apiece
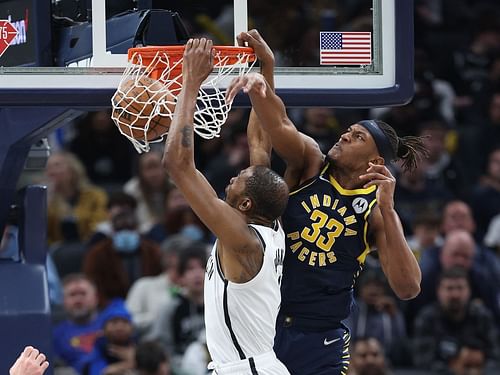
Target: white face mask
point(126, 241)
point(193, 232)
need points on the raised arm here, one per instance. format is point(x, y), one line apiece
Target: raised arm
point(259, 142)
point(227, 223)
point(300, 152)
point(397, 260)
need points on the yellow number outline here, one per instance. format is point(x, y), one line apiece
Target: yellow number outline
point(314, 236)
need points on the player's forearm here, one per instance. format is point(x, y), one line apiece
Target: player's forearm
point(285, 138)
point(259, 141)
point(179, 148)
point(400, 266)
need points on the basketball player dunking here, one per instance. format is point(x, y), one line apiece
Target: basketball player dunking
point(242, 280)
point(340, 206)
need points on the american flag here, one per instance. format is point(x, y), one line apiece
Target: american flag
point(345, 48)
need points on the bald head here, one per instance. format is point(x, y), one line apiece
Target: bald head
point(458, 250)
point(458, 215)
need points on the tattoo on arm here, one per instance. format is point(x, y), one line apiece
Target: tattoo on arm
point(187, 136)
point(251, 264)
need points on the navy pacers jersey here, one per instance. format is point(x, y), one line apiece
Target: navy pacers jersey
point(326, 230)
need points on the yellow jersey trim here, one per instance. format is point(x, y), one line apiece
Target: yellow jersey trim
point(343, 191)
point(325, 168)
point(362, 257)
point(302, 188)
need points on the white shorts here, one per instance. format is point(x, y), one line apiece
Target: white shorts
point(262, 364)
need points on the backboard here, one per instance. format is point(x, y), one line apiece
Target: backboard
point(333, 53)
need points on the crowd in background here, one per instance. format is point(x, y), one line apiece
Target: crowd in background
point(127, 253)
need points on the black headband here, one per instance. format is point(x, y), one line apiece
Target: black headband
point(381, 140)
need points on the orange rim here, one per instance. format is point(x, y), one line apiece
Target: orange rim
point(175, 53)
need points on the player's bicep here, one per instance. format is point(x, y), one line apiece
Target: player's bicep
point(288, 143)
point(222, 220)
point(312, 158)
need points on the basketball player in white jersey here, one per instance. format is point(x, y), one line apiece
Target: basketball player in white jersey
point(242, 281)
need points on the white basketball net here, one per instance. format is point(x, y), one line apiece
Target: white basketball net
point(211, 107)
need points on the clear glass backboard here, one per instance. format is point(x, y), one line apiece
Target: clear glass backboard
point(72, 52)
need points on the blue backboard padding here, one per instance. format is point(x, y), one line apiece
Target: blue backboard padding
point(24, 311)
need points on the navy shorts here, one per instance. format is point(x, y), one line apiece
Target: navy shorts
point(306, 351)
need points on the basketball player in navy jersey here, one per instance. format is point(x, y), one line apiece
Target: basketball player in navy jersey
point(340, 206)
point(243, 274)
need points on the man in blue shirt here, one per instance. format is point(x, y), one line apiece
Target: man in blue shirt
point(74, 338)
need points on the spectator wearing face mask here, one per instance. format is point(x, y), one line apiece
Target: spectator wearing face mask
point(113, 264)
point(179, 218)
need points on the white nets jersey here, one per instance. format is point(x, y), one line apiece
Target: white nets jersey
point(240, 318)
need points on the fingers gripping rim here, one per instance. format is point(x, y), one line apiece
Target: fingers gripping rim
point(136, 112)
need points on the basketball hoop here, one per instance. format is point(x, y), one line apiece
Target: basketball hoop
point(144, 102)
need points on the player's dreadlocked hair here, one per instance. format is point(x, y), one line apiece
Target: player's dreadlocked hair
point(409, 149)
point(268, 192)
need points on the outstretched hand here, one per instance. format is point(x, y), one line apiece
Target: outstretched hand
point(198, 61)
point(247, 82)
point(30, 362)
point(380, 176)
point(253, 39)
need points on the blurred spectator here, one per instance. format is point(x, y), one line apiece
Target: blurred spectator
point(485, 199)
point(414, 190)
point(442, 169)
point(148, 294)
point(458, 215)
point(74, 338)
point(234, 157)
point(115, 263)
point(151, 359)
point(490, 134)
point(114, 351)
point(460, 250)
point(180, 323)
point(179, 218)
point(71, 197)
point(149, 188)
point(443, 329)
point(118, 202)
point(377, 315)
point(106, 154)
point(425, 230)
point(443, 91)
point(197, 357)
point(492, 238)
point(320, 123)
point(470, 72)
point(367, 357)
point(54, 283)
point(469, 361)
